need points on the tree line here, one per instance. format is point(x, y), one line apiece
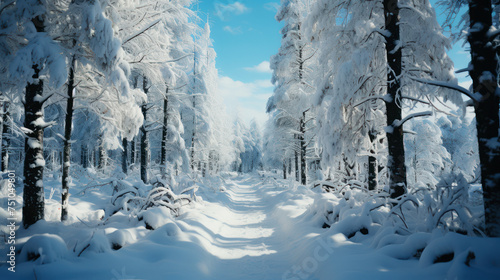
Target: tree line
point(98, 82)
point(366, 95)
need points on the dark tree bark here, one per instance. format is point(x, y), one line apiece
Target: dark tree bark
point(211, 158)
point(5, 136)
point(284, 169)
point(193, 136)
point(163, 152)
point(302, 129)
point(102, 155)
point(372, 163)
point(95, 156)
point(296, 158)
point(396, 160)
point(132, 151)
point(484, 81)
point(85, 156)
point(125, 156)
point(34, 199)
point(144, 136)
point(67, 142)
point(2, 121)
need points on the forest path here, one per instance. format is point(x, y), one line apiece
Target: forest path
point(248, 236)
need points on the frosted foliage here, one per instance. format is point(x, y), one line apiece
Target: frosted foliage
point(426, 157)
point(124, 119)
point(353, 69)
point(106, 49)
point(459, 139)
point(293, 68)
point(352, 77)
point(251, 156)
point(41, 50)
point(205, 116)
point(425, 52)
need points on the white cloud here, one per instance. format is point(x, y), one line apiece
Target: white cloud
point(232, 30)
point(264, 83)
point(272, 6)
point(263, 67)
point(236, 8)
point(230, 89)
point(248, 100)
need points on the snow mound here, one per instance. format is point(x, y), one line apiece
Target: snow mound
point(44, 248)
point(120, 238)
point(97, 243)
point(156, 217)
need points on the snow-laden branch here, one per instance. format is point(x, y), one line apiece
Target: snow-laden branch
point(467, 69)
point(141, 31)
point(415, 99)
point(447, 85)
point(399, 123)
point(384, 98)
point(165, 61)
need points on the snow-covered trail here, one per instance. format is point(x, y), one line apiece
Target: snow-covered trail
point(248, 243)
point(248, 240)
point(239, 229)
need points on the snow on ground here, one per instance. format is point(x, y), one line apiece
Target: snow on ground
point(241, 227)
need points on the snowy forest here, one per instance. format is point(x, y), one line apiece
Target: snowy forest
point(120, 160)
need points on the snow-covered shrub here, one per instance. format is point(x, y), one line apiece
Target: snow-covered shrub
point(44, 248)
point(136, 199)
point(351, 210)
point(444, 206)
point(97, 243)
point(354, 211)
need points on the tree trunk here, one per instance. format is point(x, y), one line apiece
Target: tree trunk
point(144, 136)
point(132, 151)
point(297, 173)
point(163, 152)
point(67, 142)
point(102, 155)
point(85, 156)
point(5, 136)
point(3, 101)
point(484, 80)
point(396, 160)
point(125, 156)
point(34, 198)
point(303, 178)
point(95, 155)
point(193, 136)
point(284, 169)
point(372, 163)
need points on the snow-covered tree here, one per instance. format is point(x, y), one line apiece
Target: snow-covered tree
point(291, 76)
point(38, 59)
point(371, 53)
point(459, 139)
point(426, 156)
point(482, 36)
point(205, 121)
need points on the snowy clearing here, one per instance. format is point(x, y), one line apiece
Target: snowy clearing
point(249, 227)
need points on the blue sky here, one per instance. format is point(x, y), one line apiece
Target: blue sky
point(245, 35)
